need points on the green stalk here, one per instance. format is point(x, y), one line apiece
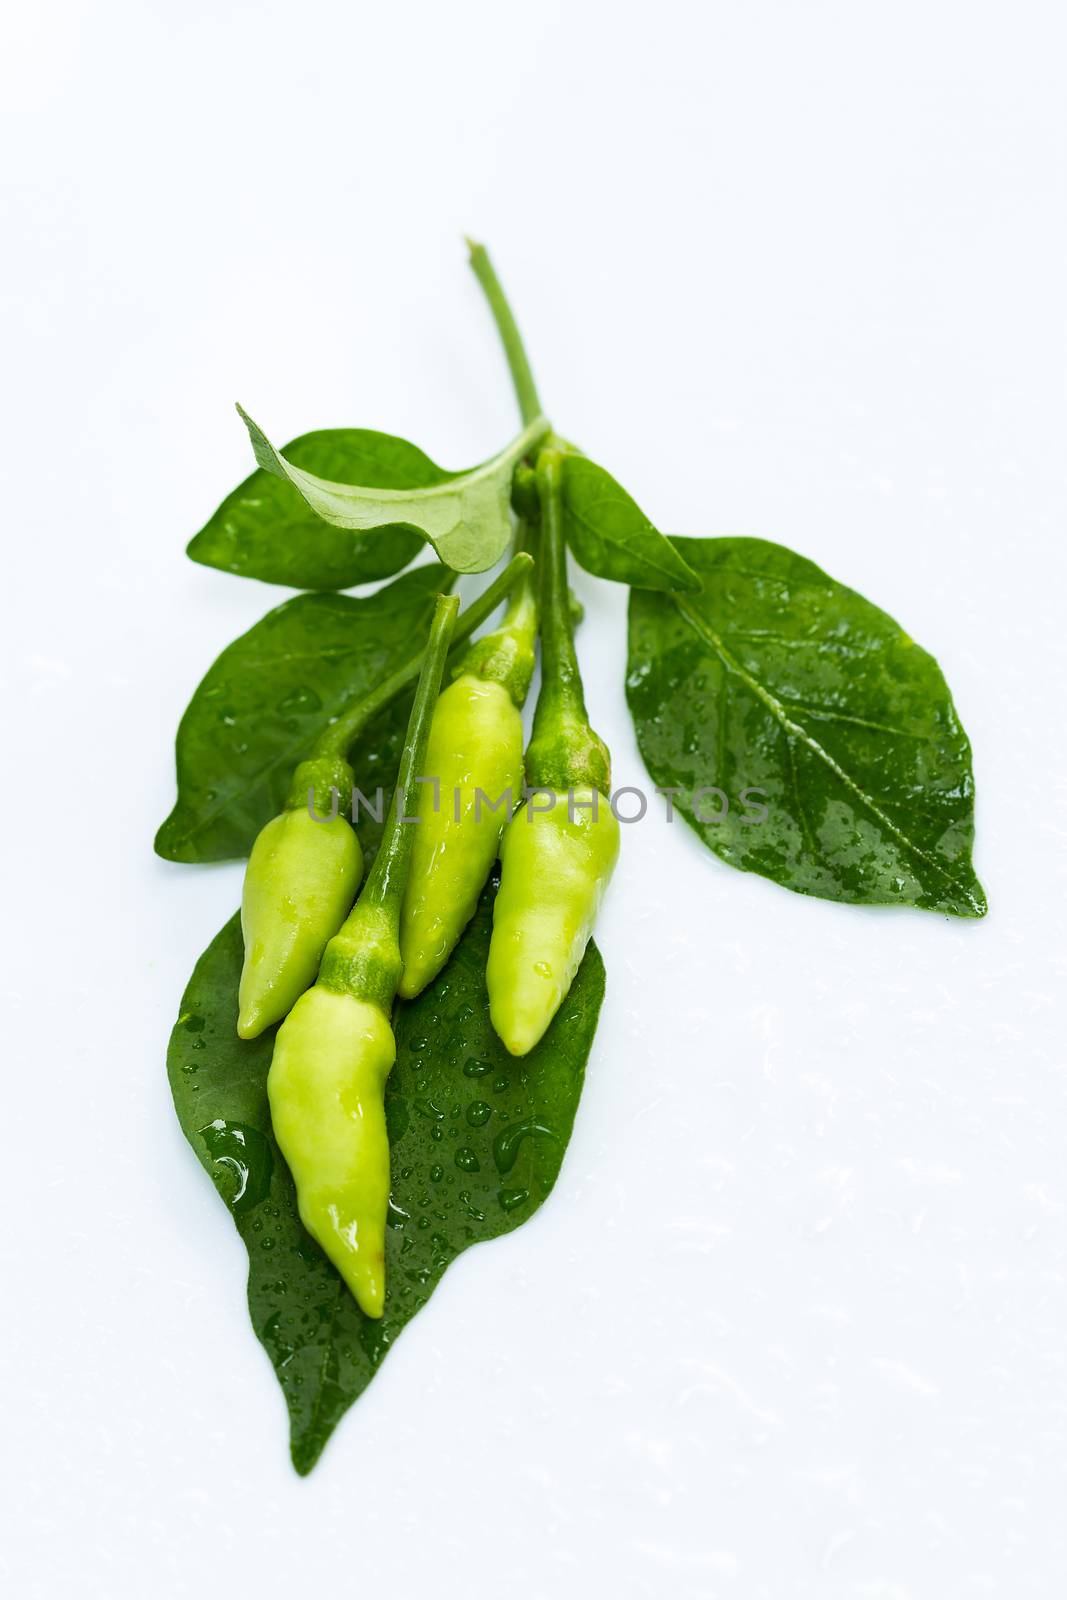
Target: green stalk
point(564, 752)
point(363, 957)
point(521, 614)
point(563, 695)
point(518, 361)
point(337, 739)
point(507, 655)
point(384, 888)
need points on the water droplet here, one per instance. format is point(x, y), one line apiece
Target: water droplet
point(437, 1172)
point(543, 969)
point(472, 1211)
point(478, 1113)
point(510, 1198)
point(467, 1161)
point(243, 1163)
point(508, 1140)
point(477, 1069)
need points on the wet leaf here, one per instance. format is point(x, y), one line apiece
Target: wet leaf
point(477, 1139)
point(610, 534)
point(779, 680)
point(261, 704)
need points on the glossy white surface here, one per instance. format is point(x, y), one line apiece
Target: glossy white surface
point(794, 1322)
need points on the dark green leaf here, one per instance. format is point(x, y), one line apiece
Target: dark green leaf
point(466, 517)
point(610, 534)
point(477, 1140)
point(265, 529)
point(258, 710)
point(779, 679)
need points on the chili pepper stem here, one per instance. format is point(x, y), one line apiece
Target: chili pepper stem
point(564, 751)
point(363, 957)
point(507, 655)
point(337, 739)
point(518, 361)
point(384, 888)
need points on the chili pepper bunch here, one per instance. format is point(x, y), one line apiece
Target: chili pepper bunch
point(328, 964)
point(463, 748)
point(751, 673)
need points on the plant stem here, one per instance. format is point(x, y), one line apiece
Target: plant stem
point(339, 736)
point(508, 654)
point(507, 327)
point(561, 692)
point(521, 614)
point(564, 752)
point(384, 888)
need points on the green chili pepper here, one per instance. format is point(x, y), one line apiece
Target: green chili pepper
point(474, 781)
point(335, 1049)
point(303, 872)
point(301, 878)
point(559, 851)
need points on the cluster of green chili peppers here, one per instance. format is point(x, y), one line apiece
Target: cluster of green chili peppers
point(330, 970)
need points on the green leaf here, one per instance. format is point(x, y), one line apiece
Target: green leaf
point(610, 534)
point(779, 679)
point(477, 1140)
point(266, 530)
point(466, 517)
point(260, 706)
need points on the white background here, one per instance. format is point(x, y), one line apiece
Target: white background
point(794, 1320)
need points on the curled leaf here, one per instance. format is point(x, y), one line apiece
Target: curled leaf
point(265, 529)
point(466, 516)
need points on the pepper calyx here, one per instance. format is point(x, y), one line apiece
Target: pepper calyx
point(314, 782)
point(568, 754)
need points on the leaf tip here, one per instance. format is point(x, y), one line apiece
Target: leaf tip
point(304, 1451)
point(266, 455)
point(977, 904)
point(194, 549)
point(161, 843)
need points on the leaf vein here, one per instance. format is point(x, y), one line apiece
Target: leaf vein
point(797, 730)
